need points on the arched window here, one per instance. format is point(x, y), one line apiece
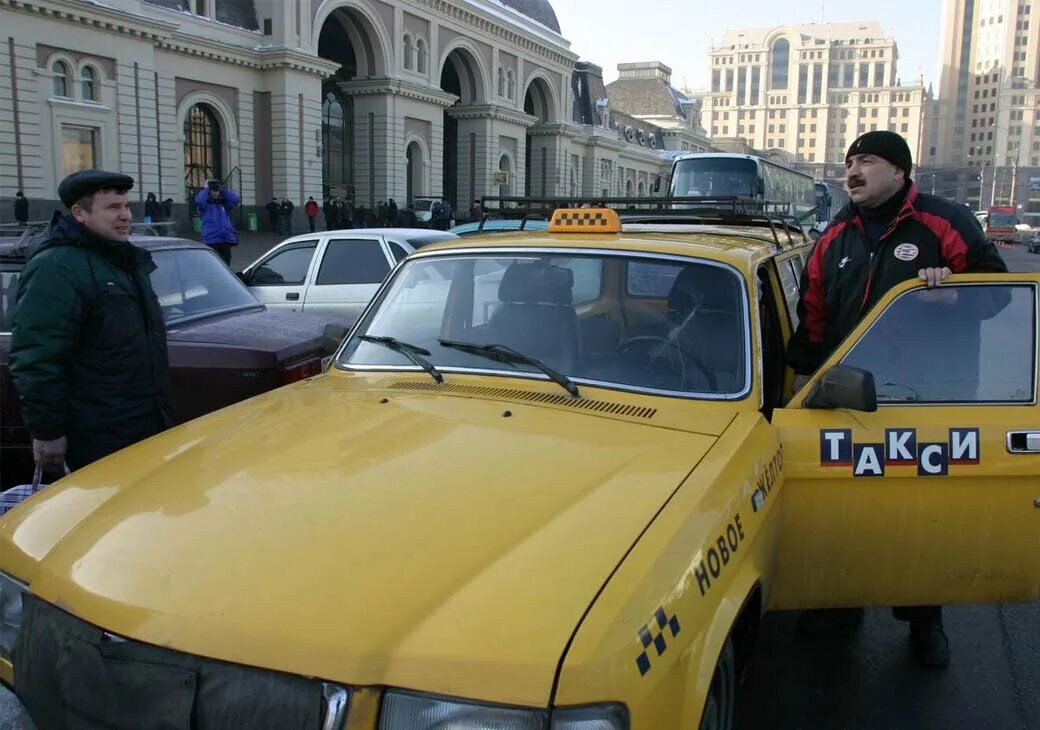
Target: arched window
point(510, 85)
point(420, 52)
point(203, 147)
point(501, 81)
point(408, 54)
point(61, 78)
point(337, 124)
point(88, 80)
point(779, 58)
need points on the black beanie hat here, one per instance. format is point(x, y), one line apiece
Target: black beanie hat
point(886, 145)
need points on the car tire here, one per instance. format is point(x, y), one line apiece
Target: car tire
point(720, 705)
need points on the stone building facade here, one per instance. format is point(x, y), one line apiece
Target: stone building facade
point(363, 99)
point(801, 94)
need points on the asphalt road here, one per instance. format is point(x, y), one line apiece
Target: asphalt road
point(868, 679)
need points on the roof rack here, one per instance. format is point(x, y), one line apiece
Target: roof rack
point(720, 211)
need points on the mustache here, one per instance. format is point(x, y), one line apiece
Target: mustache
point(855, 182)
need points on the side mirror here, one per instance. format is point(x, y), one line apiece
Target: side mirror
point(331, 336)
point(844, 387)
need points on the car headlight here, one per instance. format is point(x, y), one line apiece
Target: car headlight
point(407, 710)
point(11, 592)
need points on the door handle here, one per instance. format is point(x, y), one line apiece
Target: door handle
point(293, 296)
point(1023, 442)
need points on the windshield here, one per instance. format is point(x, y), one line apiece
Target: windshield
point(192, 283)
point(1002, 219)
point(676, 326)
point(423, 204)
point(715, 177)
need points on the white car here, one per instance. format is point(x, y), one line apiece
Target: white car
point(424, 208)
point(332, 272)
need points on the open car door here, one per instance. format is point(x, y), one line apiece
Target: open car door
point(934, 496)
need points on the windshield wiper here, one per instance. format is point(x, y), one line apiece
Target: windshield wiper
point(504, 354)
point(412, 352)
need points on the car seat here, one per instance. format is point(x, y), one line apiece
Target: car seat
point(535, 316)
point(704, 305)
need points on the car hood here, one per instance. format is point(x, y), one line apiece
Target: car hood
point(372, 537)
point(268, 330)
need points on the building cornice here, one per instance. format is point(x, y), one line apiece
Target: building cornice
point(465, 14)
point(493, 111)
point(398, 87)
point(291, 58)
point(97, 17)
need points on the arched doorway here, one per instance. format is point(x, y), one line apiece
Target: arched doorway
point(203, 148)
point(461, 75)
point(348, 38)
point(414, 177)
point(538, 102)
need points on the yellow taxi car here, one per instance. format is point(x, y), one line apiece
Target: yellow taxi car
point(551, 480)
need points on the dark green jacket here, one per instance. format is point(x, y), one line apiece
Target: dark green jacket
point(88, 346)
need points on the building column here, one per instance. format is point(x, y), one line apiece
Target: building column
point(296, 136)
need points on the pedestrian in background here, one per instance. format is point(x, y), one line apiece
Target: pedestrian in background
point(286, 211)
point(215, 203)
point(381, 213)
point(88, 344)
point(151, 209)
point(274, 211)
point(311, 209)
point(166, 209)
point(328, 211)
point(21, 208)
point(476, 212)
point(345, 213)
point(890, 232)
point(391, 213)
point(408, 217)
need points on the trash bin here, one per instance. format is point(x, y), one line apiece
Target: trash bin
point(196, 223)
point(251, 222)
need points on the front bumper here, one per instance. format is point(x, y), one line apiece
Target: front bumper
point(69, 671)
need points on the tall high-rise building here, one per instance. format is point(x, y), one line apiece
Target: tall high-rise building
point(803, 93)
point(988, 83)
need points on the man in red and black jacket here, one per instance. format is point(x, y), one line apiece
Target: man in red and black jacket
point(889, 232)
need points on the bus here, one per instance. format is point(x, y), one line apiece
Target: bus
point(830, 198)
point(717, 174)
point(1000, 224)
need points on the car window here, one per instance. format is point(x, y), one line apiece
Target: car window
point(789, 281)
point(192, 283)
point(649, 280)
point(353, 261)
point(9, 274)
point(398, 251)
point(957, 343)
point(286, 267)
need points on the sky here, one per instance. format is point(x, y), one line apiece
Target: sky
point(609, 32)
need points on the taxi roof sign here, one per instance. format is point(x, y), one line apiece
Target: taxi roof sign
point(585, 220)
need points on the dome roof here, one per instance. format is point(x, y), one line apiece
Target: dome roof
point(539, 11)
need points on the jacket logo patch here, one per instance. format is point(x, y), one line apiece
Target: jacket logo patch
point(653, 633)
point(906, 252)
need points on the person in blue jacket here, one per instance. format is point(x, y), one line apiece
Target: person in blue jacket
point(215, 203)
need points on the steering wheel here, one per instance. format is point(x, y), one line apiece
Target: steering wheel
point(671, 344)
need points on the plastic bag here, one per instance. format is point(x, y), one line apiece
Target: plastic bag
point(14, 496)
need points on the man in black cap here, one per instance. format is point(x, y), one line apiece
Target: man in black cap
point(88, 347)
point(888, 233)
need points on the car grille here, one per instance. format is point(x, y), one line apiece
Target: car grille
point(71, 674)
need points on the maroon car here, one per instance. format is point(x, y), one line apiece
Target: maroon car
point(224, 345)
